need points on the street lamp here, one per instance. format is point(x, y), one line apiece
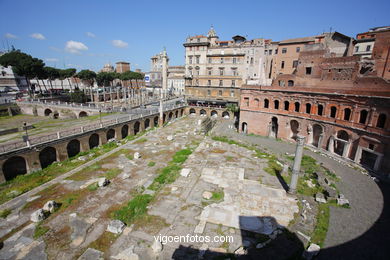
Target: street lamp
point(100, 117)
point(25, 137)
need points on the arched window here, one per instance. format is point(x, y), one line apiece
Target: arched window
point(297, 106)
point(381, 121)
point(256, 102)
point(308, 108)
point(290, 83)
point(363, 116)
point(320, 110)
point(246, 101)
point(266, 103)
point(276, 104)
point(333, 111)
point(286, 105)
point(347, 114)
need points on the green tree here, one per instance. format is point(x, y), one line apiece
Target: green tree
point(88, 78)
point(23, 65)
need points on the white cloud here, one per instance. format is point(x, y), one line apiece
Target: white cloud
point(10, 36)
point(51, 59)
point(119, 43)
point(38, 36)
point(75, 47)
point(89, 34)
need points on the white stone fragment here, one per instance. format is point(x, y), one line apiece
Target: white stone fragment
point(137, 155)
point(185, 172)
point(207, 195)
point(50, 206)
point(157, 247)
point(312, 251)
point(169, 137)
point(116, 226)
point(103, 182)
point(38, 215)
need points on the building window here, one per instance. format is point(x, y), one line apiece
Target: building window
point(282, 65)
point(221, 72)
point(209, 71)
point(221, 83)
point(320, 110)
point(286, 105)
point(265, 52)
point(234, 60)
point(270, 52)
point(220, 92)
point(221, 60)
point(190, 59)
point(297, 105)
point(276, 51)
point(233, 83)
point(295, 63)
point(308, 70)
point(290, 83)
point(368, 48)
point(266, 103)
point(246, 101)
point(347, 114)
point(333, 111)
point(234, 72)
point(284, 50)
point(232, 93)
point(298, 49)
point(363, 116)
point(281, 83)
point(197, 59)
point(257, 102)
point(208, 92)
point(357, 49)
point(276, 104)
point(308, 108)
point(210, 61)
point(381, 121)
point(209, 83)
point(251, 60)
point(197, 71)
point(190, 71)
point(371, 146)
point(198, 40)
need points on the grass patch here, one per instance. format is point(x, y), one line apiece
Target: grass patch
point(141, 140)
point(111, 173)
point(4, 213)
point(93, 186)
point(230, 158)
point(104, 242)
point(150, 224)
point(134, 209)
point(273, 167)
point(151, 164)
point(218, 195)
point(85, 173)
point(321, 228)
point(40, 230)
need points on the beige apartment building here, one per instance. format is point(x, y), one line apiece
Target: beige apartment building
point(215, 70)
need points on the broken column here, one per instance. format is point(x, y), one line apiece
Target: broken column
point(297, 164)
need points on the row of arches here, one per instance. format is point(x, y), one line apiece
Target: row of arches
point(319, 109)
point(17, 165)
point(56, 115)
point(213, 113)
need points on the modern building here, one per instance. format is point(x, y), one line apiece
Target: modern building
point(215, 70)
point(176, 79)
point(364, 43)
point(10, 82)
point(340, 104)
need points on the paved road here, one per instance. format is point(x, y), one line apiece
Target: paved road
point(361, 232)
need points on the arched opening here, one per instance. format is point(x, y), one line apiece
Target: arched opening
point(347, 114)
point(155, 121)
point(147, 123)
point(276, 104)
point(317, 133)
point(202, 112)
point(110, 134)
point(297, 105)
point(73, 148)
point(214, 113)
point(93, 141)
point(338, 144)
point(181, 112)
point(176, 114)
point(124, 131)
point(56, 115)
point(47, 156)
point(308, 108)
point(363, 116)
point(192, 111)
point(13, 167)
point(274, 127)
point(320, 110)
point(47, 112)
point(164, 118)
point(290, 83)
point(266, 103)
point(170, 115)
point(333, 111)
point(294, 125)
point(381, 121)
point(226, 115)
point(256, 102)
point(137, 127)
point(244, 127)
point(286, 105)
point(83, 114)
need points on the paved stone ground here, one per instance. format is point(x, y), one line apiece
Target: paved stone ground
point(355, 233)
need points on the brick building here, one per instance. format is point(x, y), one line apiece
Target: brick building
point(340, 104)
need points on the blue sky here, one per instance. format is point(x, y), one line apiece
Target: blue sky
point(80, 33)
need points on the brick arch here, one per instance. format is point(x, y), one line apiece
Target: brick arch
point(308, 107)
point(110, 134)
point(47, 112)
point(146, 123)
point(73, 148)
point(226, 113)
point(47, 156)
point(83, 114)
point(192, 111)
point(155, 121)
point(14, 166)
point(124, 131)
point(93, 140)
point(136, 127)
point(276, 103)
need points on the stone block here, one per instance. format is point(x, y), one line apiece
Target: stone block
point(103, 182)
point(50, 206)
point(311, 252)
point(320, 198)
point(116, 226)
point(38, 215)
point(170, 137)
point(185, 172)
point(137, 155)
point(207, 195)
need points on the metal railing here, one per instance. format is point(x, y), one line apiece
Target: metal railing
point(33, 141)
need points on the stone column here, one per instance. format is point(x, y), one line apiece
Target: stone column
point(378, 162)
point(358, 155)
point(346, 149)
point(331, 144)
point(297, 164)
point(320, 139)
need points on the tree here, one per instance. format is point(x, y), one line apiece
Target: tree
point(52, 74)
point(23, 65)
point(67, 74)
point(88, 78)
